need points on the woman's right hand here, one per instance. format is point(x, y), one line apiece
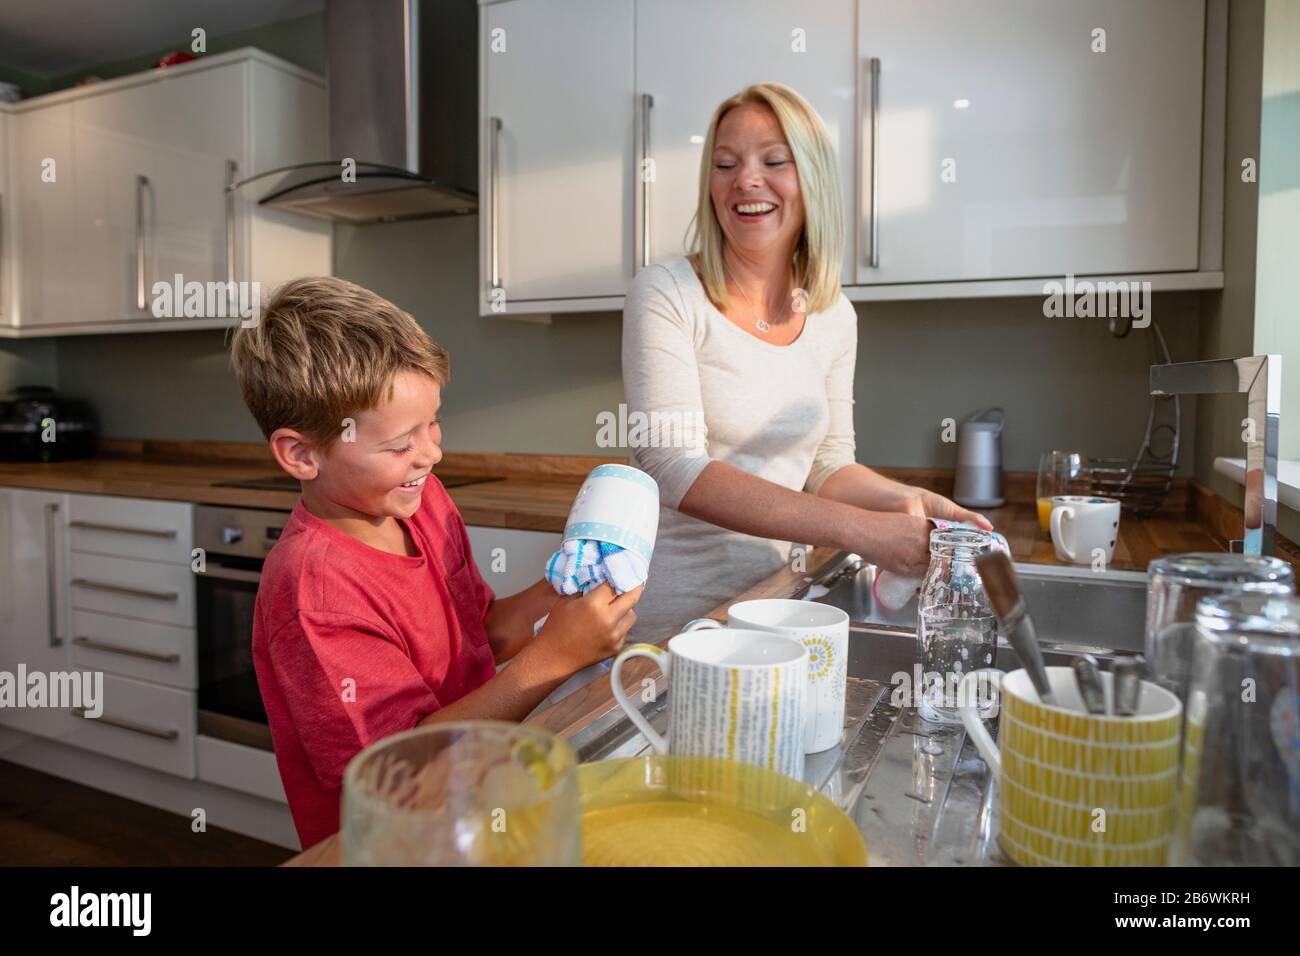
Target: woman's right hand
point(582, 630)
point(895, 542)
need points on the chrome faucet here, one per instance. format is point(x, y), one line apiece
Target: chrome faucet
point(1259, 377)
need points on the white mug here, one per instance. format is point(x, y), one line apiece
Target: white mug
point(735, 694)
point(1083, 524)
point(617, 504)
point(824, 630)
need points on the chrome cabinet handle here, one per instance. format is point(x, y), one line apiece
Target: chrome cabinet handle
point(232, 175)
point(130, 725)
point(122, 529)
point(52, 575)
point(123, 589)
point(494, 187)
point(141, 186)
point(871, 174)
point(647, 103)
point(95, 645)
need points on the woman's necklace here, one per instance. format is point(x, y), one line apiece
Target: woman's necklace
point(758, 322)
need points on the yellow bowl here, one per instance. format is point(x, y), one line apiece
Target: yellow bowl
point(702, 811)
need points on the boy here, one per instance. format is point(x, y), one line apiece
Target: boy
point(371, 616)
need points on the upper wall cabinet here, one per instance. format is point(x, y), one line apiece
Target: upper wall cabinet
point(1025, 138)
point(691, 56)
point(122, 185)
point(556, 151)
point(983, 148)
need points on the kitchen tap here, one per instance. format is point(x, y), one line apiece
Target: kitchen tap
point(1259, 377)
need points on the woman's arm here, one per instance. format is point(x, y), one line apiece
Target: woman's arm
point(858, 485)
point(734, 499)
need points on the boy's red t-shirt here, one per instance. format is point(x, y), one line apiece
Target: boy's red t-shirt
point(352, 644)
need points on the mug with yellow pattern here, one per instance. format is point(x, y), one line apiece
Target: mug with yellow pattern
point(1080, 789)
point(735, 694)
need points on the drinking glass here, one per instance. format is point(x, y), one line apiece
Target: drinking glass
point(1059, 473)
point(956, 629)
point(1239, 800)
point(472, 793)
point(1176, 583)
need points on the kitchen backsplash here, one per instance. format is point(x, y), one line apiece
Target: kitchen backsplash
point(528, 387)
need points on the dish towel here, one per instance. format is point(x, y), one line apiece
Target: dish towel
point(893, 591)
point(583, 564)
point(580, 565)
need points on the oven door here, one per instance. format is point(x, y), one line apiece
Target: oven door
point(230, 704)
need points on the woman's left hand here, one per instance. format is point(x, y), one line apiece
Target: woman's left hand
point(927, 504)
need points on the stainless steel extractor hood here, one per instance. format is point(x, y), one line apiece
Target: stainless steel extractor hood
point(403, 108)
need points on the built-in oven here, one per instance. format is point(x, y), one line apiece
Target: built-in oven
point(234, 542)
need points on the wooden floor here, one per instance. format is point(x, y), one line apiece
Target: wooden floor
point(48, 821)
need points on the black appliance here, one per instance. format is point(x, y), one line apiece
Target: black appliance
point(38, 424)
point(235, 542)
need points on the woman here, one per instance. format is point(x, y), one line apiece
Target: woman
point(752, 337)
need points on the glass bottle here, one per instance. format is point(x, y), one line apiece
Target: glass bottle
point(956, 627)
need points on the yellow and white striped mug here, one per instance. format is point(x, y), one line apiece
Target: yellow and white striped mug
point(1078, 789)
point(735, 694)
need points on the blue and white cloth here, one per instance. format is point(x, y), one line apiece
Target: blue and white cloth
point(583, 564)
point(580, 565)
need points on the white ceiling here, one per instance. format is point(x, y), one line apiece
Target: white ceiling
point(52, 37)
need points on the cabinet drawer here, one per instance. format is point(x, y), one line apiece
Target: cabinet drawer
point(143, 649)
point(131, 528)
point(143, 723)
point(141, 589)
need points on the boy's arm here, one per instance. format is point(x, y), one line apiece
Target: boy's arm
point(579, 631)
point(512, 693)
point(509, 621)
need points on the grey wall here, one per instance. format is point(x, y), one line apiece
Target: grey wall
point(27, 362)
point(520, 386)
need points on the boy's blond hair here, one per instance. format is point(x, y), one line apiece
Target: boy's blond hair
point(325, 349)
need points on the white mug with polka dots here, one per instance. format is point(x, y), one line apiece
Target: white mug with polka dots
point(1085, 528)
point(824, 630)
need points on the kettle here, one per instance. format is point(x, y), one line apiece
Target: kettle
point(979, 461)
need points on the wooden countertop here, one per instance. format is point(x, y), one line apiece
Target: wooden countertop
point(533, 492)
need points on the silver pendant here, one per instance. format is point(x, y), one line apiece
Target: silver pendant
point(763, 326)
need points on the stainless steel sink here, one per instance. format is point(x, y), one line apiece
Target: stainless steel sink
point(1075, 611)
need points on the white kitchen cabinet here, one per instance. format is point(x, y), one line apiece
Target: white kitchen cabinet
point(152, 166)
point(511, 560)
point(556, 161)
point(144, 165)
point(33, 605)
point(993, 150)
point(691, 56)
point(1009, 147)
point(44, 238)
point(140, 723)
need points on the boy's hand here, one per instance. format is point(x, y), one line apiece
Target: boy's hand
point(584, 630)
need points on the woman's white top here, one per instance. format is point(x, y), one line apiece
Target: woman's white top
point(700, 389)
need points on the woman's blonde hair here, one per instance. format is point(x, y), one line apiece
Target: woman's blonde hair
point(819, 254)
